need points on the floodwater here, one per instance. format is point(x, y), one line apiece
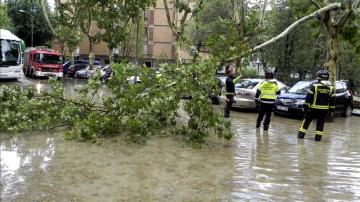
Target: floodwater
point(254, 166)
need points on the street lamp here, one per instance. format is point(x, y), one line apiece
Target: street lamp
point(32, 24)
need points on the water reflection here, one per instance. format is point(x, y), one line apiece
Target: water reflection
point(18, 161)
point(39, 87)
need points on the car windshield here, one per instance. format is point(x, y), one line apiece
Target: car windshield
point(249, 84)
point(48, 58)
point(9, 52)
point(300, 87)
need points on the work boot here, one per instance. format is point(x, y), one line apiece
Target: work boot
point(266, 127)
point(301, 135)
point(318, 137)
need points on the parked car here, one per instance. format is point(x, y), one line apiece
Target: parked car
point(86, 73)
point(291, 102)
point(245, 92)
point(78, 65)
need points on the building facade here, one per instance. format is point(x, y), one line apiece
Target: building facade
point(159, 41)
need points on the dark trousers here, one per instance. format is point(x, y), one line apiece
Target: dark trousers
point(265, 109)
point(320, 115)
point(228, 105)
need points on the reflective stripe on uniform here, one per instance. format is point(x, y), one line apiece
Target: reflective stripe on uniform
point(229, 93)
point(319, 107)
point(315, 97)
point(319, 133)
point(302, 127)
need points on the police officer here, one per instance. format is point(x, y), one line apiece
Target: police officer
point(230, 90)
point(266, 95)
point(319, 101)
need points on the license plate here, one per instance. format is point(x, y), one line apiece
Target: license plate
point(282, 108)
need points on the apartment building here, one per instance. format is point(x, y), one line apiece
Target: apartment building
point(159, 41)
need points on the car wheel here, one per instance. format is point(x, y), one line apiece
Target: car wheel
point(348, 111)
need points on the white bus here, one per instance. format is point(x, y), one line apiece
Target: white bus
point(10, 55)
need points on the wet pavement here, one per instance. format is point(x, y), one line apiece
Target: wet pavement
point(254, 166)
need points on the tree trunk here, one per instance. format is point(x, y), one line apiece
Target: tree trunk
point(331, 57)
point(62, 47)
point(238, 67)
point(72, 56)
point(91, 53)
point(177, 50)
point(111, 56)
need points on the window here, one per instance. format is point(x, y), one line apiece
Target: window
point(339, 88)
point(48, 58)
point(300, 87)
point(9, 52)
point(246, 84)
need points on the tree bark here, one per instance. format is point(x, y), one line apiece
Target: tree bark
point(331, 59)
point(111, 55)
point(91, 53)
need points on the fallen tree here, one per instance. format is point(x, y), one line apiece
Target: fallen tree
point(134, 111)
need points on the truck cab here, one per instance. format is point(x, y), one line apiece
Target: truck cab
point(42, 62)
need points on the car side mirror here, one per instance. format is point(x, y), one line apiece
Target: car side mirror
point(284, 89)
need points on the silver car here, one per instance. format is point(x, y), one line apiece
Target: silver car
point(245, 92)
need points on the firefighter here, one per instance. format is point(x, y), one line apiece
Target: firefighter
point(319, 101)
point(265, 96)
point(230, 90)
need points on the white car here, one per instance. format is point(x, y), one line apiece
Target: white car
point(245, 92)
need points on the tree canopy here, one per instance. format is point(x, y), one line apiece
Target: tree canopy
point(21, 13)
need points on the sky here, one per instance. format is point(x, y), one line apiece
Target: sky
point(51, 4)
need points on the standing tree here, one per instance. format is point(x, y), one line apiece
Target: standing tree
point(63, 24)
point(26, 15)
point(333, 21)
point(181, 9)
point(117, 21)
point(114, 22)
point(89, 12)
point(333, 17)
point(228, 28)
point(5, 22)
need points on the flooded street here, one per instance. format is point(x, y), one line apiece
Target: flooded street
point(254, 166)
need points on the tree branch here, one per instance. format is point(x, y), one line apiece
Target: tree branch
point(263, 13)
point(298, 22)
point(171, 24)
point(315, 4)
point(47, 17)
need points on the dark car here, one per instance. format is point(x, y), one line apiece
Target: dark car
point(79, 65)
point(291, 102)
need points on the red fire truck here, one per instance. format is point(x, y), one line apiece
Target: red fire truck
point(42, 62)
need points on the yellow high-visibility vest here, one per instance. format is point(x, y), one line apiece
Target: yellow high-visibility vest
point(268, 90)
